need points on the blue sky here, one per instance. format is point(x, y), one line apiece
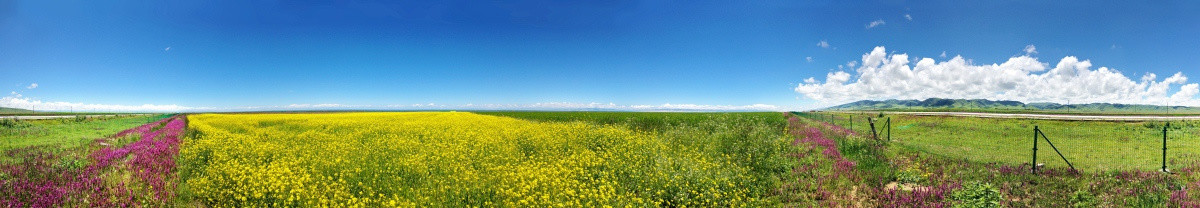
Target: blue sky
point(246, 55)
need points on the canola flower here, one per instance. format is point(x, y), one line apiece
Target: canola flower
point(451, 159)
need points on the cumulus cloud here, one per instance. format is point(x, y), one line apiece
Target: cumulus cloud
point(823, 44)
point(943, 54)
point(908, 17)
point(1023, 78)
point(1030, 50)
point(809, 59)
point(31, 86)
point(875, 23)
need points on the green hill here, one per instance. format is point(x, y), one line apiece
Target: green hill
point(4, 110)
point(1006, 106)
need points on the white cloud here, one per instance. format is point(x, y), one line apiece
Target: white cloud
point(823, 44)
point(809, 59)
point(167, 49)
point(1030, 50)
point(943, 54)
point(908, 17)
point(17, 101)
point(852, 64)
point(875, 23)
point(1023, 78)
point(810, 80)
point(31, 86)
point(837, 77)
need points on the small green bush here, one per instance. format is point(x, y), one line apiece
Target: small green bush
point(11, 123)
point(975, 194)
point(1083, 198)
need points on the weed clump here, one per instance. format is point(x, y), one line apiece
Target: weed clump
point(977, 194)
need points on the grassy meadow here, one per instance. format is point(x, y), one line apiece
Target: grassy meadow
point(1088, 145)
point(65, 133)
point(865, 172)
point(469, 159)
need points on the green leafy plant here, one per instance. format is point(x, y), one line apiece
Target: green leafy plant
point(1083, 198)
point(11, 123)
point(913, 173)
point(976, 194)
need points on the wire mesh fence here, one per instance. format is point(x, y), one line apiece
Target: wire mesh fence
point(1087, 145)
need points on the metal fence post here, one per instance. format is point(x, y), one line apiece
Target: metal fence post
point(1060, 155)
point(1164, 156)
point(889, 128)
point(1033, 165)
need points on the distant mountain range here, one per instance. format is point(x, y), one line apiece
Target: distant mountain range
point(983, 105)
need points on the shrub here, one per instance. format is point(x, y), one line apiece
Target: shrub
point(976, 194)
point(10, 123)
point(1083, 198)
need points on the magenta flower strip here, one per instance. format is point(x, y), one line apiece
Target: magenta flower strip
point(37, 183)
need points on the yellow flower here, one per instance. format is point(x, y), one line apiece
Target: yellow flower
point(420, 159)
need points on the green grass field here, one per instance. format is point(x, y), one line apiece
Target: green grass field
point(63, 133)
point(949, 165)
point(1088, 145)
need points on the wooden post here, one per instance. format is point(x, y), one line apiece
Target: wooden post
point(874, 134)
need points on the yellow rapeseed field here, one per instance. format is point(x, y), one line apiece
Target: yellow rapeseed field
point(451, 159)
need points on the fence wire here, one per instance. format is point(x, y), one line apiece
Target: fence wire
point(1088, 145)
